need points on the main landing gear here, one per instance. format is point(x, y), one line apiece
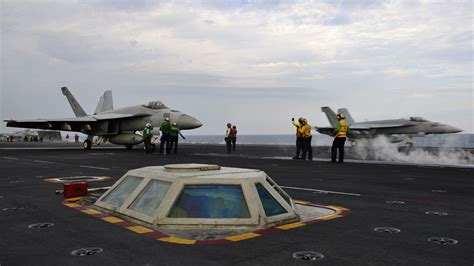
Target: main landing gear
point(87, 144)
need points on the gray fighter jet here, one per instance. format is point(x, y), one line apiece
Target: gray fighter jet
point(396, 130)
point(117, 126)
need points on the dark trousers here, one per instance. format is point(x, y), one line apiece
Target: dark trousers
point(306, 147)
point(173, 143)
point(228, 142)
point(298, 147)
point(147, 142)
point(164, 141)
point(233, 140)
point(338, 144)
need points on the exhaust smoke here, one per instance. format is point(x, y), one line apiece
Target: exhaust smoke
point(380, 148)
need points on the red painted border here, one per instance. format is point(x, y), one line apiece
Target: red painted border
point(158, 235)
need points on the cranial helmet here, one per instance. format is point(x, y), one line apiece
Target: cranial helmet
point(148, 125)
point(340, 116)
point(174, 124)
point(167, 119)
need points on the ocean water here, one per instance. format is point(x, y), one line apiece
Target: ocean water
point(446, 140)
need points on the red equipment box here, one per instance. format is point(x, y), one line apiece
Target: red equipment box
point(72, 190)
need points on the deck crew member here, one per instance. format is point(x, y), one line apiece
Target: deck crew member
point(306, 137)
point(341, 131)
point(228, 136)
point(147, 135)
point(175, 132)
point(233, 136)
point(298, 136)
point(165, 136)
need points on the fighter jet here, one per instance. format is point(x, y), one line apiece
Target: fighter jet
point(396, 130)
point(117, 126)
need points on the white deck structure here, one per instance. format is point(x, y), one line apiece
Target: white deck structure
point(199, 195)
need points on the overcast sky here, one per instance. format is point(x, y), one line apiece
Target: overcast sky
point(252, 63)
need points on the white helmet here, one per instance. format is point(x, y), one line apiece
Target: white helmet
point(174, 124)
point(147, 125)
point(167, 119)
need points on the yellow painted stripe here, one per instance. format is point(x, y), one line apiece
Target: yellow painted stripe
point(242, 237)
point(336, 207)
point(290, 226)
point(73, 199)
point(90, 211)
point(329, 217)
point(72, 205)
point(112, 219)
point(178, 240)
point(139, 229)
point(301, 202)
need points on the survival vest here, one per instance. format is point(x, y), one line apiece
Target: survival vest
point(342, 128)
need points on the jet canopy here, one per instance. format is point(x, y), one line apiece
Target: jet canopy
point(155, 105)
point(418, 119)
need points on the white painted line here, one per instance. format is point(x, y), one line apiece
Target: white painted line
point(94, 167)
point(323, 191)
point(39, 161)
point(57, 148)
point(10, 158)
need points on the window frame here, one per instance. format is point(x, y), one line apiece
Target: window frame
point(273, 197)
point(114, 187)
point(247, 191)
point(197, 185)
point(141, 191)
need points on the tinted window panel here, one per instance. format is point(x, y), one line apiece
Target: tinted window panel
point(270, 204)
point(123, 190)
point(210, 201)
point(150, 198)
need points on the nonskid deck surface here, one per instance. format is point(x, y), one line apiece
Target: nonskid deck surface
point(421, 201)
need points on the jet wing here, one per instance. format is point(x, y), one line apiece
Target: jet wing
point(82, 124)
point(325, 130)
point(375, 126)
point(52, 123)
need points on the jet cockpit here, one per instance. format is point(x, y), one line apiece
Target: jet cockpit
point(418, 119)
point(156, 105)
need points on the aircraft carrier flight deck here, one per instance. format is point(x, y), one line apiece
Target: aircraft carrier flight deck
point(394, 214)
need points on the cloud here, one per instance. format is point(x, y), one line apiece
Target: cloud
point(358, 54)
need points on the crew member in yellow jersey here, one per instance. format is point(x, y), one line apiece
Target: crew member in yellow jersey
point(341, 131)
point(305, 132)
point(297, 124)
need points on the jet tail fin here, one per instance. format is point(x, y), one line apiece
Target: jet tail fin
point(105, 103)
point(347, 115)
point(332, 117)
point(76, 107)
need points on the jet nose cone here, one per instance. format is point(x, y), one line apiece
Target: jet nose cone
point(188, 122)
point(454, 129)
